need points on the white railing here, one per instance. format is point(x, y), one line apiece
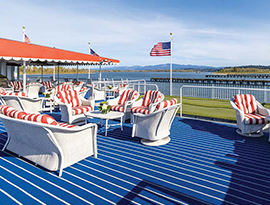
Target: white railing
point(224, 93)
point(142, 88)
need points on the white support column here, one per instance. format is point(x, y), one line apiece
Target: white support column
point(77, 73)
point(24, 75)
point(53, 73)
point(18, 72)
point(171, 68)
point(42, 73)
point(100, 71)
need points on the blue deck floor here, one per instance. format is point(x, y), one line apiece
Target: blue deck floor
point(205, 163)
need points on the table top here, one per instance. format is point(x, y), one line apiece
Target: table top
point(110, 115)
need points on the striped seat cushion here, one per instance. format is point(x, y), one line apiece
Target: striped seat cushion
point(5, 108)
point(140, 109)
point(81, 109)
point(21, 94)
point(16, 114)
point(118, 108)
point(46, 119)
point(151, 96)
point(166, 103)
point(70, 97)
point(254, 119)
point(66, 125)
point(246, 103)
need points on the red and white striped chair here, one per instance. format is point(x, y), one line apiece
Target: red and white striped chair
point(16, 85)
point(148, 104)
point(250, 115)
point(73, 106)
point(48, 85)
point(154, 128)
point(124, 102)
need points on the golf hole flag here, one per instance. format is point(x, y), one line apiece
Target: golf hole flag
point(161, 49)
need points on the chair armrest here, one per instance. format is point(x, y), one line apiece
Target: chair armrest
point(239, 112)
point(262, 110)
point(137, 103)
point(88, 102)
point(113, 101)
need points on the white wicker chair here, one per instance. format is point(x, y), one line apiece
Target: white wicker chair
point(73, 106)
point(154, 128)
point(53, 147)
point(32, 90)
point(124, 102)
point(32, 105)
point(250, 115)
point(148, 103)
point(96, 93)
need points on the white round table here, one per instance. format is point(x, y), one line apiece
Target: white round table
point(109, 116)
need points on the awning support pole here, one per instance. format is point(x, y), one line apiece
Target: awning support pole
point(42, 73)
point(58, 75)
point(89, 65)
point(77, 73)
point(53, 73)
point(24, 76)
point(100, 72)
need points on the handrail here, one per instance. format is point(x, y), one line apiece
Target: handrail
point(216, 87)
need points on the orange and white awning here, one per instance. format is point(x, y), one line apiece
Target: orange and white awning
point(15, 52)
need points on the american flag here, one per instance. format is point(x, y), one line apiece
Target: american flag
point(26, 39)
point(93, 53)
point(161, 49)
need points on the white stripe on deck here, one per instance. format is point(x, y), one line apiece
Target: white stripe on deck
point(11, 197)
point(17, 187)
point(47, 181)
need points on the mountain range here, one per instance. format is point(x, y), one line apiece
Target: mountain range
point(161, 67)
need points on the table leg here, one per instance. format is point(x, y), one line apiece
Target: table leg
point(106, 127)
point(121, 122)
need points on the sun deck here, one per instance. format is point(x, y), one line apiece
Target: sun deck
point(205, 162)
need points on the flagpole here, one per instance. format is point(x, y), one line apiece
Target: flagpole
point(24, 64)
point(89, 65)
point(171, 68)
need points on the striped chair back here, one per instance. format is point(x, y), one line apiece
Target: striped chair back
point(152, 96)
point(128, 95)
point(47, 84)
point(133, 95)
point(63, 87)
point(246, 103)
point(17, 85)
point(70, 97)
point(166, 103)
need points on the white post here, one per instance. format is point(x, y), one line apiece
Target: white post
point(24, 75)
point(89, 65)
point(53, 73)
point(24, 64)
point(171, 68)
point(77, 73)
point(100, 71)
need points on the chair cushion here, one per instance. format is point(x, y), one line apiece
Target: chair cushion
point(17, 85)
point(16, 114)
point(46, 119)
point(83, 89)
point(133, 95)
point(81, 109)
point(151, 96)
point(63, 87)
point(5, 108)
point(246, 103)
point(255, 119)
point(21, 94)
point(47, 84)
point(119, 108)
point(66, 125)
point(124, 97)
point(69, 97)
point(140, 109)
point(2, 90)
point(166, 103)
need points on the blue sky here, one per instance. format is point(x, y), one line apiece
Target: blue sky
point(205, 32)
